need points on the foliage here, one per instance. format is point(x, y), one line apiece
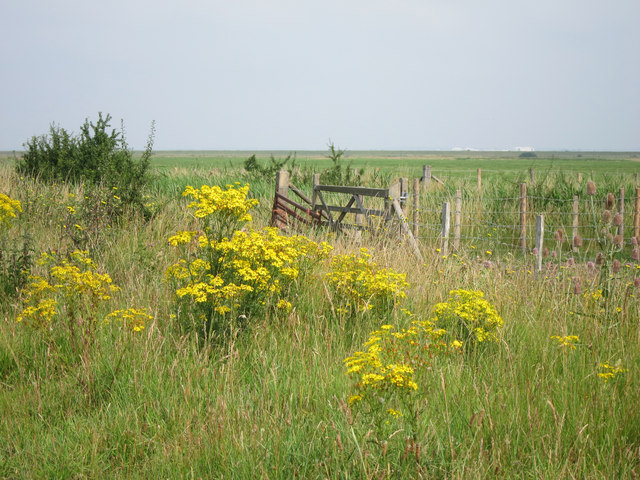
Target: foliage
point(15, 260)
point(69, 297)
point(256, 169)
point(71, 286)
point(96, 156)
point(9, 208)
point(362, 286)
point(386, 392)
point(468, 316)
point(275, 400)
point(338, 173)
point(225, 275)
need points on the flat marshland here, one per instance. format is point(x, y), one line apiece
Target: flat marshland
point(175, 374)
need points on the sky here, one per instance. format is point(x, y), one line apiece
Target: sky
point(297, 74)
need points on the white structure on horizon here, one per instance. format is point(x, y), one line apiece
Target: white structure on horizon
point(523, 149)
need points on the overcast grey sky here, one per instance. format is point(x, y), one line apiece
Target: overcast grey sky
point(292, 74)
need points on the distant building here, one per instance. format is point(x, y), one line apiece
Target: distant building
point(523, 149)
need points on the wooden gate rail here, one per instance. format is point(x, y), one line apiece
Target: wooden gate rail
point(317, 212)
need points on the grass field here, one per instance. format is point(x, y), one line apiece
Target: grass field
point(269, 396)
point(493, 164)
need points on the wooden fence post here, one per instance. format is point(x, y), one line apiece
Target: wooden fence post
point(314, 195)
point(636, 216)
point(416, 206)
point(446, 222)
point(282, 182)
point(426, 175)
point(359, 223)
point(404, 225)
point(457, 214)
point(532, 176)
point(579, 177)
point(621, 212)
point(539, 241)
point(575, 221)
point(479, 179)
point(523, 217)
point(404, 193)
point(394, 194)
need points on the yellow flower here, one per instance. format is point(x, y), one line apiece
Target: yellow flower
point(181, 237)
point(567, 341)
point(609, 372)
point(133, 318)
point(8, 208)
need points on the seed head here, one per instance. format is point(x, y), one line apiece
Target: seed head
point(636, 282)
point(606, 216)
point(599, 259)
point(577, 241)
point(577, 286)
point(635, 254)
point(634, 241)
point(615, 268)
point(611, 201)
point(617, 219)
point(617, 240)
point(591, 265)
point(559, 235)
point(545, 252)
point(610, 237)
point(571, 262)
point(591, 188)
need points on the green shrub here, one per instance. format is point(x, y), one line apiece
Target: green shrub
point(256, 169)
point(339, 173)
point(96, 156)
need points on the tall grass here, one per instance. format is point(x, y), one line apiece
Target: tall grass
point(272, 401)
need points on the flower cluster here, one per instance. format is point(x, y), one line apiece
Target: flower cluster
point(609, 372)
point(229, 202)
point(8, 209)
point(134, 319)
point(240, 272)
point(363, 286)
point(387, 371)
point(73, 283)
point(568, 341)
point(217, 276)
point(469, 316)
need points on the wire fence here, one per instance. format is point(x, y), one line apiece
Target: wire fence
point(576, 226)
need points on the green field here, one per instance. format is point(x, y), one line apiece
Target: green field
point(456, 164)
point(261, 390)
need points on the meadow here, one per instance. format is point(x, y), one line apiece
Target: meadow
point(165, 344)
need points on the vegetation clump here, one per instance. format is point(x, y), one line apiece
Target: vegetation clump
point(96, 156)
point(469, 316)
point(226, 273)
point(362, 286)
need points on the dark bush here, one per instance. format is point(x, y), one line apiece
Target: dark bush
point(98, 155)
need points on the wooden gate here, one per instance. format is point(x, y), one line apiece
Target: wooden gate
point(316, 211)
